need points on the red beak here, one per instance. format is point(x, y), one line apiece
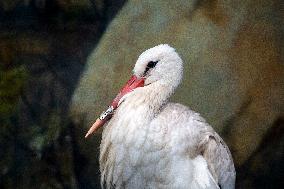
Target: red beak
point(131, 84)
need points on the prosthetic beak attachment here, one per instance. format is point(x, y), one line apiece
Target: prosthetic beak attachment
point(131, 84)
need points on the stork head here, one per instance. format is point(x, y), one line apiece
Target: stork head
point(160, 64)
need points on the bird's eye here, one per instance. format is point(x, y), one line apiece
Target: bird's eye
point(152, 64)
point(149, 66)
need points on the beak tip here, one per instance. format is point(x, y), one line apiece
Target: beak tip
point(87, 134)
point(94, 127)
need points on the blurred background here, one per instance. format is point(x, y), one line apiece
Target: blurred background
point(62, 61)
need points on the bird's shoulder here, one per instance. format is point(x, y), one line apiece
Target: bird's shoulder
point(183, 126)
point(183, 116)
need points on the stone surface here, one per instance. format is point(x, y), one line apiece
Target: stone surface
point(233, 54)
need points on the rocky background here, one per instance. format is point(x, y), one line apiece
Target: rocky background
point(62, 61)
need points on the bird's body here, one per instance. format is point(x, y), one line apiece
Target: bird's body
point(159, 153)
point(151, 143)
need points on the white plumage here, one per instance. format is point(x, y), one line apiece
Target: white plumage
point(151, 143)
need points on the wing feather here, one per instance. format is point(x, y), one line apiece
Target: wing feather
point(219, 160)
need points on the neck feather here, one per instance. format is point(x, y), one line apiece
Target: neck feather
point(151, 98)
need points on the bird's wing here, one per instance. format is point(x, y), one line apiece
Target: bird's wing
point(219, 160)
point(202, 177)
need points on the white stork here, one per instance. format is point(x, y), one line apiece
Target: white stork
point(149, 142)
